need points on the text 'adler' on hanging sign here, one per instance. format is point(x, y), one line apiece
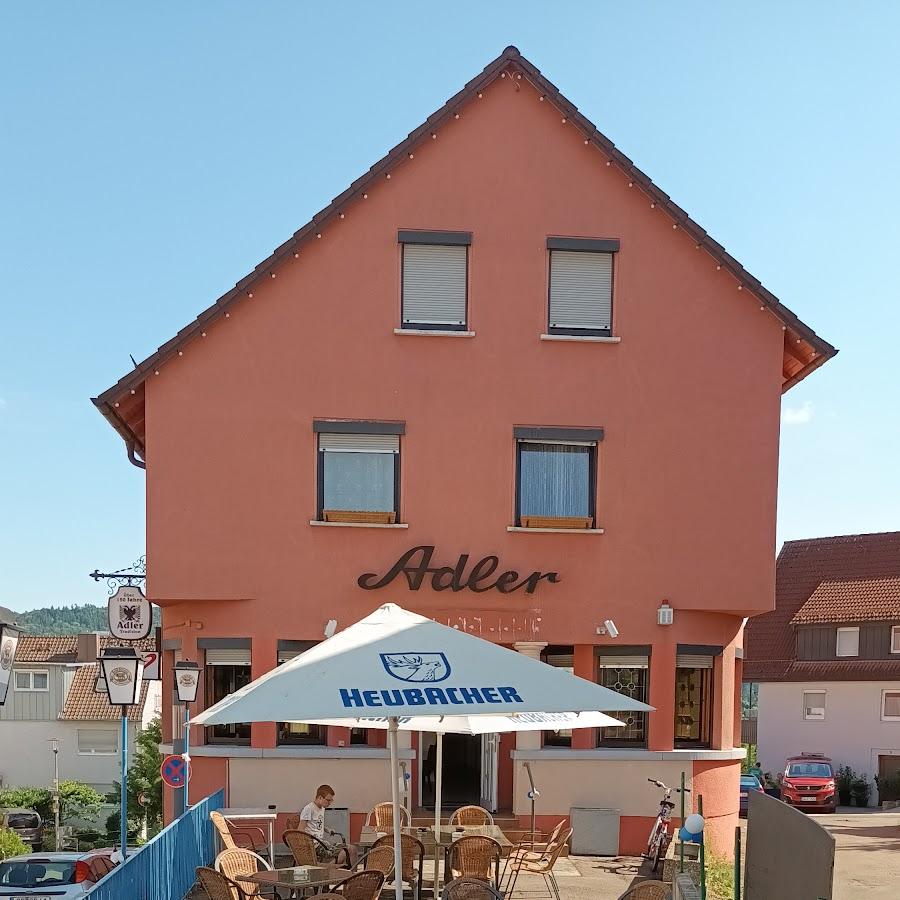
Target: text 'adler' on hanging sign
point(415, 564)
point(129, 614)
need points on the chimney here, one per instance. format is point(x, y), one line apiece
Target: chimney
point(87, 648)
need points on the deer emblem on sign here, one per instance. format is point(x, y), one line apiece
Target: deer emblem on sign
point(416, 667)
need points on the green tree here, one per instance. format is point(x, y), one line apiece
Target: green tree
point(76, 800)
point(11, 844)
point(143, 778)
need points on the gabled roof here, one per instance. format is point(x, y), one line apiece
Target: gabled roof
point(802, 566)
point(63, 649)
point(866, 600)
point(84, 704)
point(804, 350)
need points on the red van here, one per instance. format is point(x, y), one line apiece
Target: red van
point(808, 783)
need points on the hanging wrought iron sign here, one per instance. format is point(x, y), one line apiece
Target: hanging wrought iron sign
point(129, 614)
point(416, 565)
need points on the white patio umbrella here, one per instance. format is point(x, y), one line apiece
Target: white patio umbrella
point(398, 664)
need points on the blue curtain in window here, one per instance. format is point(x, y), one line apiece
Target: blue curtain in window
point(359, 481)
point(554, 480)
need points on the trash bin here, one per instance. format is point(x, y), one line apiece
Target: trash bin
point(595, 831)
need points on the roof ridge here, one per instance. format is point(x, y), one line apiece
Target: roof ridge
point(108, 401)
point(799, 542)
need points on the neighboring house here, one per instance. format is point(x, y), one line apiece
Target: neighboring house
point(52, 695)
point(502, 351)
point(826, 660)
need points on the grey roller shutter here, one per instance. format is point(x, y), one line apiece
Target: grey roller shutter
point(238, 657)
point(434, 285)
point(360, 443)
point(693, 661)
point(623, 662)
point(581, 290)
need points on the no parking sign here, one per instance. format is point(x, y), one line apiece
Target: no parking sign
point(174, 771)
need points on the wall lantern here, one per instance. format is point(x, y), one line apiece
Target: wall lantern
point(187, 679)
point(9, 641)
point(665, 615)
point(123, 669)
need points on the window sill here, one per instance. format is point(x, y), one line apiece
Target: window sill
point(430, 332)
point(581, 338)
point(319, 524)
point(517, 528)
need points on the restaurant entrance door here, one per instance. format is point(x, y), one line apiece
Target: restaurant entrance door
point(463, 770)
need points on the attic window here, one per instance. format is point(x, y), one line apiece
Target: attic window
point(581, 281)
point(434, 290)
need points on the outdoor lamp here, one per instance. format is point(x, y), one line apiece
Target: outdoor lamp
point(9, 640)
point(665, 615)
point(187, 679)
point(122, 668)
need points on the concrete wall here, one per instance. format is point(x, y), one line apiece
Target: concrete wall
point(852, 732)
point(788, 855)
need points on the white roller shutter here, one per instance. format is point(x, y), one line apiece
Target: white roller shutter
point(237, 657)
point(580, 289)
point(360, 443)
point(624, 662)
point(434, 284)
point(693, 661)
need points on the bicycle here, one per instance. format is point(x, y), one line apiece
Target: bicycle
point(661, 832)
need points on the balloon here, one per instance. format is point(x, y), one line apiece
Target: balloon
point(684, 834)
point(694, 823)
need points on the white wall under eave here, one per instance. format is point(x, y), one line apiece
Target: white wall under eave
point(852, 732)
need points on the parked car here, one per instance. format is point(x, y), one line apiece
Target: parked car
point(808, 783)
point(26, 823)
point(61, 876)
point(748, 783)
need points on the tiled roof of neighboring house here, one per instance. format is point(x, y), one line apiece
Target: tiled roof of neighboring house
point(38, 648)
point(804, 351)
point(802, 566)
point(84, 704)
point(843, 670)
point(866, 600)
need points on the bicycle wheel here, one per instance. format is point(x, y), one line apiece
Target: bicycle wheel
point(664, 838)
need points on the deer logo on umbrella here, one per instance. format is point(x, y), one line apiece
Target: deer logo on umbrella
point(416, 667)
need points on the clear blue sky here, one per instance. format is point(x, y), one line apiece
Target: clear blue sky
point(152, 154)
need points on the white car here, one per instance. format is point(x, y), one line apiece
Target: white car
point(53, 876)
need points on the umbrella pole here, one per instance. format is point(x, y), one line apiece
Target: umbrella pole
point(395, 801)
point(438, 785)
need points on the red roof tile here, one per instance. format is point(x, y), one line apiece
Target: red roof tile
point(843, 670)
point(42, 648)
point(83, 703)
point(801, 567)
point(866, 600)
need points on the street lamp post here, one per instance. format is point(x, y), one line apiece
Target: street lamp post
point(9, 640)
point(122, 669)
point(54, 746)
point(187, 679)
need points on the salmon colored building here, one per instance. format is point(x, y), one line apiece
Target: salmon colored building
point(502, 350)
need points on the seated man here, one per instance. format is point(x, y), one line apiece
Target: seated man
point(330, 846)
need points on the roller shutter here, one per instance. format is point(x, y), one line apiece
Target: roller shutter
point(581, 290)
point(434, 285)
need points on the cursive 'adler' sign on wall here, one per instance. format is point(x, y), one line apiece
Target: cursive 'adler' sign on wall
point(416, 565)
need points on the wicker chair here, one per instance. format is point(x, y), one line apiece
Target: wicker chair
point(412, 852)
point(217, 886)
point(471, 815)
point(380, 859)
point(236, 863)
point(542, 866)
point(230, 836)
point(474, 857)
point(382, 817)
point(528, 849)
point(303, 847)
point(647, 890)
point(470, 889)
point(365, 885)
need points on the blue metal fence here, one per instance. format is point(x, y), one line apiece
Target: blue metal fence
point(163, 869)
